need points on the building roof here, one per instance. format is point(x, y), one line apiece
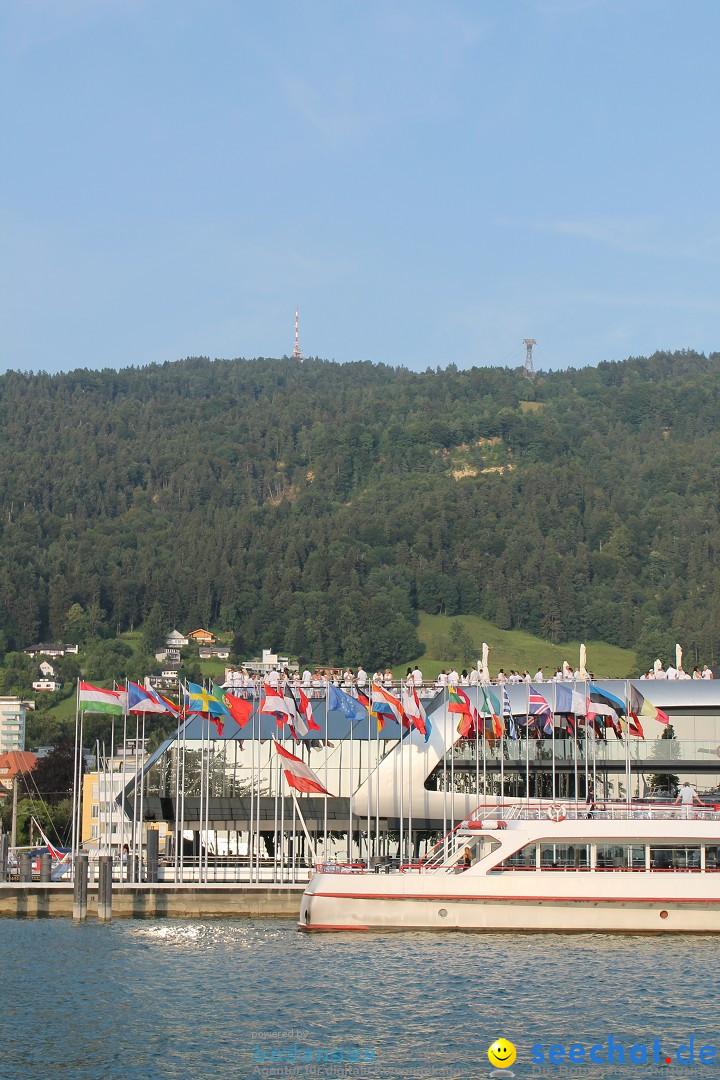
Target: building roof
point(16, 761)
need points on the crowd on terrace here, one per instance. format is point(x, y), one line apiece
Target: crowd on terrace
point(357, 680)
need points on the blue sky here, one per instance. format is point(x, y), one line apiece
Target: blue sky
point(429, 182)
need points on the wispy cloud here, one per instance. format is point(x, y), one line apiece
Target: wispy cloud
point(638, 236)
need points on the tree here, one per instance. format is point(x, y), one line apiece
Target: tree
point(154, 629)
point(462, 644)
point(53, 776)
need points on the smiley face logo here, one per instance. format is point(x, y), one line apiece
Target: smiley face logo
point(502, 1053)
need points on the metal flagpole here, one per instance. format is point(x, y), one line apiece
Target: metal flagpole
point(208, 779)
point(112, 764)
point(445, 817)
point(350, 791)
point(401, 835)
point(274, 767)
point(296, 806)
point(626, 733)
point(452, 775)
point(142, 793)
point(76, 780)
point(135, 802)
point(527, 746)
point(369, 790)
point(411, 847)
point(202, 795)
point(327, 740)
point(282, 820)
point(251, 823)
point(177, 796)
point(575, 740)
point(552, 725)
point(502, 760)
point(183, 785)
point(377, 779)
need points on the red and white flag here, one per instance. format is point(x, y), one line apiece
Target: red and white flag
point(299, 775)
point(414, 710)
point(305, 709)
point(273, 703)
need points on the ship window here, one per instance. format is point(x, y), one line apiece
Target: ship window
point(620, 856)
point(479, 847)
point(674, 857)
point(524, 859)
point(712, 857)
point(564, 856)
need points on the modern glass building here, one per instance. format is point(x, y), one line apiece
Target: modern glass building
point(228, 811)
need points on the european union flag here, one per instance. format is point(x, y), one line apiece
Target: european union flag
point(338, 699)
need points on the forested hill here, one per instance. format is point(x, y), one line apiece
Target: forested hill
point(315, 507)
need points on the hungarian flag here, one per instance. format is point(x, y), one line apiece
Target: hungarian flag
point(298, 774)
point(96, 700)
point(240, 709)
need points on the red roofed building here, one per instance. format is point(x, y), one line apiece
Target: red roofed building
point(12, 763)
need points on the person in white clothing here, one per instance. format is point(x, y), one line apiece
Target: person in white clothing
point(417, 678)
point(660, 673)
point(687, 796)
point(671, 672)
point(307, 677)
point(361, 678)
point(474, 677)
point(707, 673)
point(453, 678)
point(539, 677)
point(273, 678)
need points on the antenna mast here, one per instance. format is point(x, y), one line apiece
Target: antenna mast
point(528, 342)
point(297, 351)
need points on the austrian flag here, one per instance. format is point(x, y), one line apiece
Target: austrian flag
point(298, 774)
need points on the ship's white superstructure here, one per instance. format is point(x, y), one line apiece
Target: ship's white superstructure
point(607, 867)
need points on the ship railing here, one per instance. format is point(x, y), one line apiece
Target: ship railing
point(600, 810)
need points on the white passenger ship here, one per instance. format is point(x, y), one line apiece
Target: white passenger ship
point(609, 868)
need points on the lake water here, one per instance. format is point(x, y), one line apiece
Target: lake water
point(196, 1000)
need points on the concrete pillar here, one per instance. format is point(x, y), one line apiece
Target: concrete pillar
point(80, 886)
point(105, 888)
point(45, 866)
point(24, 867)
point(152, 854)
point(4, 849)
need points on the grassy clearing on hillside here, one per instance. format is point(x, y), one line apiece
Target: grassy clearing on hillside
point(512, 649)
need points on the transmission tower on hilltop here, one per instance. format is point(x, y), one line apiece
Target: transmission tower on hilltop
point(297, 351)
point(528, 342)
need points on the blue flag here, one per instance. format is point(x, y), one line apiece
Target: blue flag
point(338, 699)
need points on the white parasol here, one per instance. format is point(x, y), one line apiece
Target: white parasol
point(657, 666)
point(583, 662)
point(678, 657)
point(485, 666)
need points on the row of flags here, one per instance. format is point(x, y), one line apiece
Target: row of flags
point(290, 705)
point(601, 708)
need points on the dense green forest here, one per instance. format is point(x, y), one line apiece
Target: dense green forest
point(317, 507)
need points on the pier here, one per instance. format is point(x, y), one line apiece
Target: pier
point(45, 900)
